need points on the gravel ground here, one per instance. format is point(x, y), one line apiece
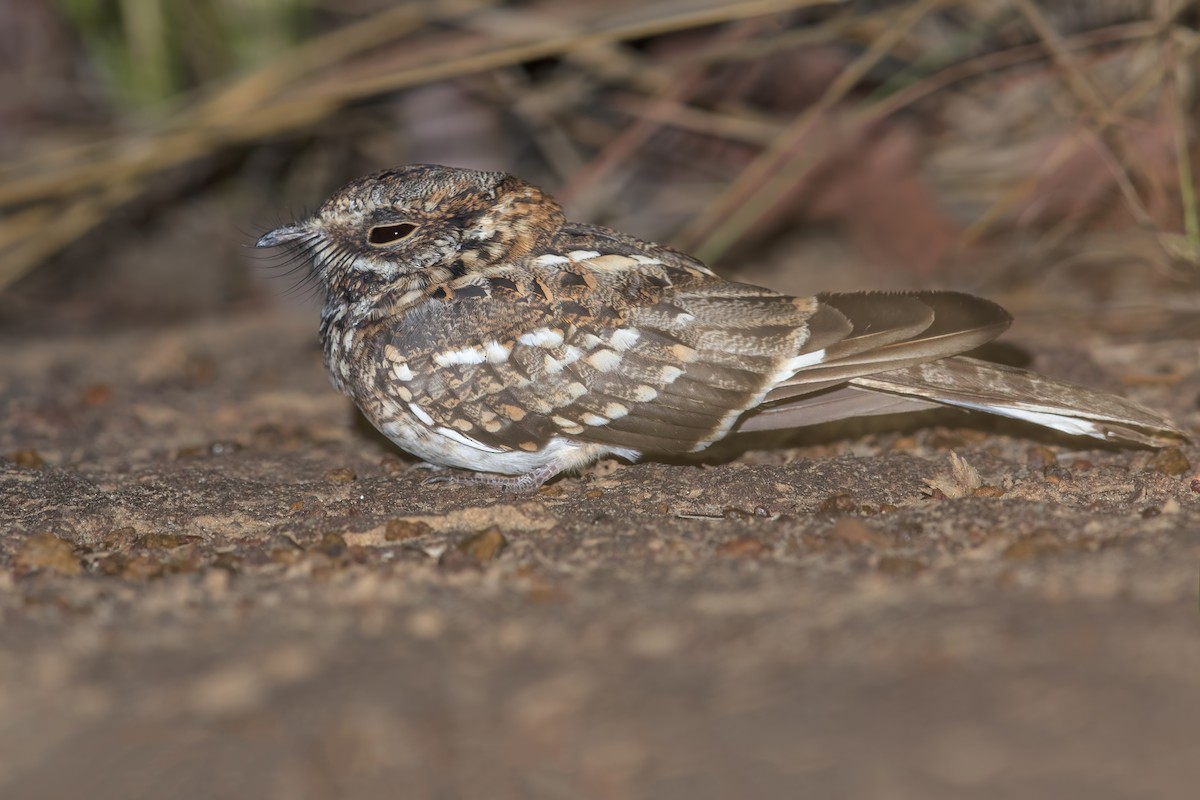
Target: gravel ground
point(216, 581)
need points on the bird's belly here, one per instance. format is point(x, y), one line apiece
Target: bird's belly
point(449, 448)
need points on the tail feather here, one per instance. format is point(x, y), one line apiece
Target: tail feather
point(975, 385)
point(1010, 392)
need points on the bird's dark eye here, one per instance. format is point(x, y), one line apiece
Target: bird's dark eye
point(387, 234)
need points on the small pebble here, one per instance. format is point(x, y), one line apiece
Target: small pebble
point(895, 565)
point(49, 552)
point(1036, 544)
point(142, 568)
point(392, 464)
point(166, 541)
point(97, 394)
point(840, 503)
point(331, 544)
point(340, 475)
point(852, 531)
point(27, 459)
point(484, 546)
point(1169, 461)
point(743, 547)
point(1040, 457)
point(397, 530)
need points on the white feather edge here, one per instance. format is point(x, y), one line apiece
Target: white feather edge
point(1059, 422)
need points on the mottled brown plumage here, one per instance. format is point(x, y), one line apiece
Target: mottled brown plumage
point(478, 328)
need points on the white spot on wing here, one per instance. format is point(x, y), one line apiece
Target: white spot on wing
point(593, 419)
point(669, 374)
point(497, 353)
point(624, 338)
point(576, 390)
point(604, 360)
point(570, 356)
point(450, 433)
point(420, 414)
point(550, 260)
point(402, 372)
point(615, 410)
point(806, 360)
point(684, 353)
point(644, 393)
point(582, 255)
point(466, 355)
point(542, 337)
point(567, 425)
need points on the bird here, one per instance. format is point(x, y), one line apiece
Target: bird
point(479, 329)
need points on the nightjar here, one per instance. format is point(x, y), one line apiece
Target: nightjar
point(478, 328)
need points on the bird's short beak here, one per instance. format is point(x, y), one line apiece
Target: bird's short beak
point(283, 235)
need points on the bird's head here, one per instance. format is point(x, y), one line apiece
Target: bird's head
point(415, 225)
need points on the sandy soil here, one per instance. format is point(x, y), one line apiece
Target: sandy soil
point(215, 581)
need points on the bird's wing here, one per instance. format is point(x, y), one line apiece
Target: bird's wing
point(889, 331)
point(594, 347)
point(645, 353)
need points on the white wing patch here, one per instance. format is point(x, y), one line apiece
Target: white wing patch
point(797, 363)
point(604, 360)
point(669, 374)
point(644, 393)
point(542, 337)
point(450, 433)
point(497, 353)
point(465, 355)
point(624, 338)
point(567, 425)
point(555, 365)
point(420, 414)
point(615, 410)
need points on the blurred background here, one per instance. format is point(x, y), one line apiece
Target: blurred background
point(985, 144)
point(213, 575)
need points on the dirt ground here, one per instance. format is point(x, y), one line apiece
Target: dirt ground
point(216, 581)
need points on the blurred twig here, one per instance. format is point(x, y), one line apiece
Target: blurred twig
point(634, 136)
point(1190, 249)
point(286, 96)
point(1068, 146)
point(769, 177)
point(1090, 98)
